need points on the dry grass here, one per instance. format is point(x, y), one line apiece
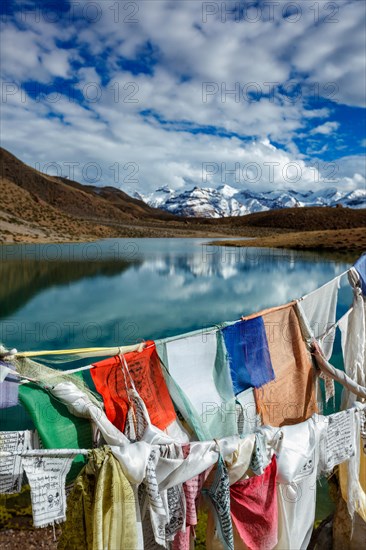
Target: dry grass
point(340, 240)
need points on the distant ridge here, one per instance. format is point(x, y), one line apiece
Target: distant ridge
point(228, 201)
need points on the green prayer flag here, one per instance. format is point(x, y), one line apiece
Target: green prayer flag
point(56, 426)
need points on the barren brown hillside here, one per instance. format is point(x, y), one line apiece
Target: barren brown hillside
point(72, 197)
point(305, 219)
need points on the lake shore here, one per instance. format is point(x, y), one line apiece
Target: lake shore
point(17, 233)
point(344, 241)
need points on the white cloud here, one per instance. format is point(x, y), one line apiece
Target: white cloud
point(147, 155)
point(31, 54)
point(325, 129)
point(108, 128)
point(57, 63)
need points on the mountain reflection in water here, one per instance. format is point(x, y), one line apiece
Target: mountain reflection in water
point(121, 291)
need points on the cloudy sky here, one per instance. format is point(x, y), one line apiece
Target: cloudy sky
point(139, 94)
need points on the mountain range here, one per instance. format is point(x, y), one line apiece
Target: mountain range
point(36, 207)
point(228, 201)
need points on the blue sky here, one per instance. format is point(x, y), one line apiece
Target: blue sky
point(140, 94)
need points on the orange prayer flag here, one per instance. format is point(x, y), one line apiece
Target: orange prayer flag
point(290, 398)
point(145, 370)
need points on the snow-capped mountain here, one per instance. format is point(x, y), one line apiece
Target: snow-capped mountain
point(226, 201)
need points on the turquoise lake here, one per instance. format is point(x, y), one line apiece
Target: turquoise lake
point(122, 291)
point(117, 292)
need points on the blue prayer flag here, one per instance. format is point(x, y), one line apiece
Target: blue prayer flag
point(248, 354)
point(360, 265)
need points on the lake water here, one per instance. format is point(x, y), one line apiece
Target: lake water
point(116, 292)
point(122, 291)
